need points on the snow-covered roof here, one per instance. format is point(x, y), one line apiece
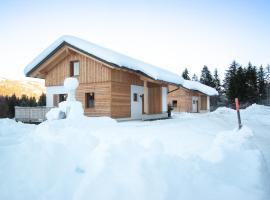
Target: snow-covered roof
point(109, 56)
point(195, 85)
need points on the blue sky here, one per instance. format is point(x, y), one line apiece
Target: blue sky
point(169, 34)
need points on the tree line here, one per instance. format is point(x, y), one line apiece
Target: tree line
point(8, 103)
point(247, 83)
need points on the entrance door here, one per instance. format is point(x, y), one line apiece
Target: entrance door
point(136, 101)
point(194, 104)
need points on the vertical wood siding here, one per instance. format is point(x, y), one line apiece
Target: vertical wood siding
point(184, 99)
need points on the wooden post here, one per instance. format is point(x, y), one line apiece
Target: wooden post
point(146, 102)
point(238, 113)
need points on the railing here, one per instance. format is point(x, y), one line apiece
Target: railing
point(31, 114)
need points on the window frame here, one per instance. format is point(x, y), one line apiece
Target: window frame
point(87, 96)
point(72, 68)
point(174, 103)
point(135, 97)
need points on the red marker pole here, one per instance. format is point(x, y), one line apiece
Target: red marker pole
point(238, 113)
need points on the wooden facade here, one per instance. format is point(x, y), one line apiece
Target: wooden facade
point(110, 85)
point(181, 99)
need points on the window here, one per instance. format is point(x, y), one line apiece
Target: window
point(174, 103)
point(74, 68)
point(90, 100)
point(62, 97)
point(57, 98)
point(135, 97)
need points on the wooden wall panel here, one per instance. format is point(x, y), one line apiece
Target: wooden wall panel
point(121, 106)
point(203, 102)
point(184, 99)
point(91, 71)
point(102, 93)
point(125, 77)
point(155, 104)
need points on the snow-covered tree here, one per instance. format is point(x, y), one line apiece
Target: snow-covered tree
point(195, 77)
point(185, 74)
point(216, 81)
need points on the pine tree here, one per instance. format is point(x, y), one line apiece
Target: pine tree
point(230, 81)
point(185, 74)
point(251, 78)
point(42, 100)
point(24, 101)
point(32, 102)
point(261, 83)
point(216, 81)
point(3, 107)
point(206, 77)
point(195, 77)
point(240, 84)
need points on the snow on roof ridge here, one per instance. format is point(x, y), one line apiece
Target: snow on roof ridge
point(195, 85)
point(108, 55)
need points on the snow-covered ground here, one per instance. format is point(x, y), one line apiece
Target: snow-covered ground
point(192, 156)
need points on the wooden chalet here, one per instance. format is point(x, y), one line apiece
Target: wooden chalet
point(110, 84)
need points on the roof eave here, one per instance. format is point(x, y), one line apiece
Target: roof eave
point(98, 58)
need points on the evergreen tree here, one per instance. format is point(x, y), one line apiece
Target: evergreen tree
point(12, 101)
point(240, 84)
point(32, 102)
point(230, 81)
point(195, 77)
point(4, 110)
point(206, 77)
point(261, 83)
point(216, 81)
point(251, 78)
point(42, 100)
point(185, 74)
point(24, 101)
point(267, 74)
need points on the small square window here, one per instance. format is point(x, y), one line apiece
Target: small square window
point(74, 68)
point(90, 100)
point(135, 97)
point(174, 103)
point(62, 97)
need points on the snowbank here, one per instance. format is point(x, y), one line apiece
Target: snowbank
point(98, 158)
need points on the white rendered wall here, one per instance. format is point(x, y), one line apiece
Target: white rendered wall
point(208, 103)
point(164, 99)
point(50, 91)
point(136, 106)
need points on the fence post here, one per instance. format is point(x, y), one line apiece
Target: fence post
point(238, 113)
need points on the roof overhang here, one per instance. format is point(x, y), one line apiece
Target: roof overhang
point(59, 53)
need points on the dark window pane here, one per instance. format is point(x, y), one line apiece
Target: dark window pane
point(62, 97)
point(135, 97)
point(174, 103)
point(74, 68)
point(90, 100)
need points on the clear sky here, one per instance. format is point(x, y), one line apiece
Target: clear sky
point(170, 34)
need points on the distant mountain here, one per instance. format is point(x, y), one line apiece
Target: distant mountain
point(20, 87)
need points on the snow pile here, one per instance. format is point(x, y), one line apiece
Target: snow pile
point(98, 158)
point(110, 57)
point(70, 108)
point(195, 85)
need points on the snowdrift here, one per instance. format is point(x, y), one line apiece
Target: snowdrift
point(98, 158)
